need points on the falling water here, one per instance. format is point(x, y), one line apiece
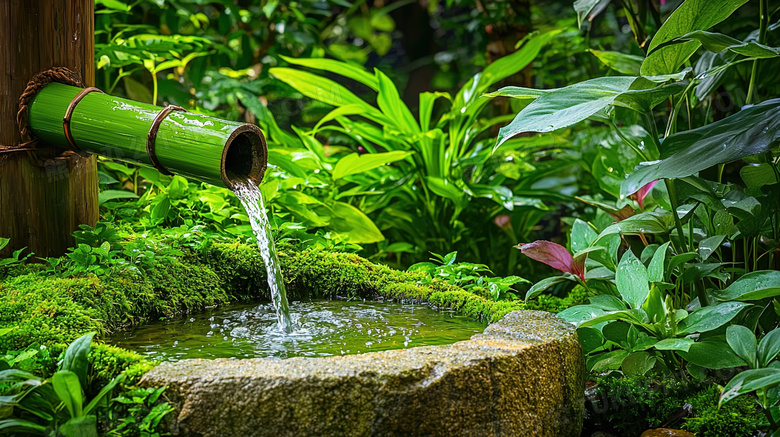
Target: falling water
point(252, 200)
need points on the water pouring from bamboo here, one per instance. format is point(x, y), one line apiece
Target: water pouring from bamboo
point(173, 141)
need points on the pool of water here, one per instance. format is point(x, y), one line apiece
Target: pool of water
point(321, 328)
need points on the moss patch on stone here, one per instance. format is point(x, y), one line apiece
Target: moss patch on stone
point(52, 310)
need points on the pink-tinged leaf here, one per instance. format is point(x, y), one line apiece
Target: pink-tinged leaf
point(640, 195)
point(554, 255)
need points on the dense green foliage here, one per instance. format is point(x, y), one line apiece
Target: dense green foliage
point(636, 141)
point(629, 405)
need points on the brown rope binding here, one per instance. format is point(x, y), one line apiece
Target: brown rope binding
point(151, 137)
point(29, 143)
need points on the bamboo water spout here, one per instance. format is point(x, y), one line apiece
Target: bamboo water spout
point(170, 139)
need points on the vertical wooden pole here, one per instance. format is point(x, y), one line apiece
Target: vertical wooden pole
point(41, 205)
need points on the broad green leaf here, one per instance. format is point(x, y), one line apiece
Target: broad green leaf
point(748, 132)
point(651, 222)
point(710, 317)
point(76, 359)
point(654, 306)
point(579, 314)
point(742, 342)
point(752, 286)
point(389, 101)
point(768, 347)
point(621, 62)
point(68, 389)
point(749, 381)
point(607, 361)
point(21, 425)
point(355, 163)
point(444, 188)
point(710, 245)
point(607, 303)
point(350, 71)
point(542, 285)
point(351, 221)
point(4, 242)
point(631, 279)
point(566, 106)
point(655, 270)
point(582, 236)
point(690, 16)
point(108, 195)
point(590, 338)
point(712, 355)
point(675, 344)
point(638, 363)
point(325, 90)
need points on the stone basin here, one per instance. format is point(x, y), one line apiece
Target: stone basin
point(522, 377)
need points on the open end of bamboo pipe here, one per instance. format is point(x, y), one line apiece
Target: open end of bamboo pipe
point(245, 156)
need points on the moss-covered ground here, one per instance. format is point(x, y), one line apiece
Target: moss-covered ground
point(51, 310)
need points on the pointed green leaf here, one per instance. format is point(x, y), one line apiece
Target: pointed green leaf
point(711, 317)
point(655, 270)
point(690, 16)
point(68, 389)
point(632, 280)
point(350, 71)
point(389, 101)
point(543, 285)
point(748, 132)
point(752, 286)
point(742, 342)
point(355, 163)
point(749, 381)
point(675, 344)
point(712, 355)
point(76, 359)
point(621, 62)
point(768, 347)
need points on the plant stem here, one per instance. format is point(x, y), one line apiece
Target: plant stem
point(763, 21)
point(677, 222)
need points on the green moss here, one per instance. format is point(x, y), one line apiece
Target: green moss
point(740, 417)
point(554, 304)
point(627, 406)
point(54, 311)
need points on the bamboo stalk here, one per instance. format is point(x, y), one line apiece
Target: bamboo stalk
point(209, 149)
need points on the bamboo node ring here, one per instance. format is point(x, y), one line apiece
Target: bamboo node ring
point(151, 137)
point(69, 113)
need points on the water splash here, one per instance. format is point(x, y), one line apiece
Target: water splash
point(252, 199)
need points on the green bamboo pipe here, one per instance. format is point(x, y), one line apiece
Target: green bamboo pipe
point(209, 149)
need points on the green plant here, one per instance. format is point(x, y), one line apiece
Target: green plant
point(139, 413)
point(440, 170)
point(469, 276)
point(15, 258)
point(683, 261)
point(39, 407)
point(763, 377)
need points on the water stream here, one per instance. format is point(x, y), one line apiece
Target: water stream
point(252, 199)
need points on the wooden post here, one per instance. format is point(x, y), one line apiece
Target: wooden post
point(40, 206)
